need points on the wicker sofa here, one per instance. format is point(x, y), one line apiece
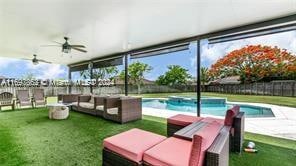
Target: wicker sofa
point(69, 98)
point(115, 108)
point(91, 104)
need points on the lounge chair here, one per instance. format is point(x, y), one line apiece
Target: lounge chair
point(6, 99)
point(23, 98)
point(210, 146)
point(39, 98)
point(122, 109)
point(233, 118)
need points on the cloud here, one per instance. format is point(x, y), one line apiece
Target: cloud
point(5, 62)
point(211, 53)
point(193, 62)
point(47, 71)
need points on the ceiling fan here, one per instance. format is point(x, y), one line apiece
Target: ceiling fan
point(36, 61)
point(66, 47)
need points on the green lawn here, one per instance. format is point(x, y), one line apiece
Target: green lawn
point(28, 137)
point(276, 100)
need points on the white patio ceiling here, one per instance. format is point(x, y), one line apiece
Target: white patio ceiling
point(112, 26)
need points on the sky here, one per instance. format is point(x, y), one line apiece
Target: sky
point(14, 68)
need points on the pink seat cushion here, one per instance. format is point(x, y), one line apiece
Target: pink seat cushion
point(172, 151)
point(210, 120)
point(132, 143)
point(202, 140)
point(230, 114)
point(183, 120)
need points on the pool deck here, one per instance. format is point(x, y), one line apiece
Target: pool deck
point(283, 125)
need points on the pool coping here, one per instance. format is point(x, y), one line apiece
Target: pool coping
point(276, 110)
point(283, 125)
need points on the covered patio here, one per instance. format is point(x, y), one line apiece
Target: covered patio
point(112, 34)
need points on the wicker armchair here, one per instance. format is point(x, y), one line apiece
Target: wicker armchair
point(6, 99)
point(23, 98)
point(122, 109)
point(39, 98)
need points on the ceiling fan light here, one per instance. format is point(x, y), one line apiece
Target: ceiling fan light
point(35, 62)
point(66, 50)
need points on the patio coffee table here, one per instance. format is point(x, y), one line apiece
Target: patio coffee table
point(58, 110)
point(188, 132)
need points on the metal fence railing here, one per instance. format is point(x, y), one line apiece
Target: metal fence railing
point(269, 89)
point(262, 88)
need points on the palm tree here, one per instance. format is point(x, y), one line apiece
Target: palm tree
point(204, 76)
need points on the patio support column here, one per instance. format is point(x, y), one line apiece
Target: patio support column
point(91, 77)
point(198, 88)
point(126, 74)
point(70, 81)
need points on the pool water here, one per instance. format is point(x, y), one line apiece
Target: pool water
point(217, 109)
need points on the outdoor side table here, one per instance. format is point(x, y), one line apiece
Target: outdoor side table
point(58, 111)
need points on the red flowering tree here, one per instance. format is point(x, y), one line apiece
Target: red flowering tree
point(256, 62)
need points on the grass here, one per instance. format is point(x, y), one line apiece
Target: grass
point(28, 137)
point(276, 100)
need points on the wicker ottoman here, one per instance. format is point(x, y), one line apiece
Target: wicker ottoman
point(127, 148)
point(58, 111)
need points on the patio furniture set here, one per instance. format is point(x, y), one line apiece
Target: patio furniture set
point(121, 109)
point(200, 141)
point(193, 141)
point(23, 98)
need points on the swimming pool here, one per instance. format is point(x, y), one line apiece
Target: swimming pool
point(210, 107)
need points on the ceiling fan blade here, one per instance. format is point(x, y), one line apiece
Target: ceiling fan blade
point(50, 45)
point(78, 49)
point(75, 45)
point(26, 59)
point(44, 61)
point(58, 42)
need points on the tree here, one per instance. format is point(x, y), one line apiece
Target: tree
point(101, 73)
point(176, 75)
point(254, 63)
point(29, 76)
point(136, 72)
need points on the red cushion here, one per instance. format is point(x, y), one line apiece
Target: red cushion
point(132, 143)
point(230, 114)
point(202, 140)
point(172, 151)
point(183, 120)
